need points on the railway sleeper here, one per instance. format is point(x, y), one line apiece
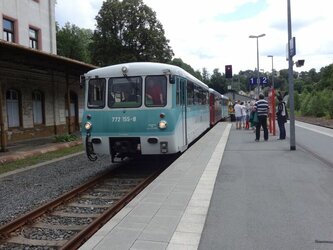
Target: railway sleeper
point(75, 215)
point(90, 205)
point(60, 226)
point(30, 242)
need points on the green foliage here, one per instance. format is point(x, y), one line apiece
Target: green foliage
point(65, 138)
point(314, 92)
point(305, 98)
point(128, 31)
point(318, 104)
point(10, 166)
point(218, 82)
point(297, 101)
point(73, 42)
point(179, 62)
point(330, 105)
point(205, 76)
point(326, 80)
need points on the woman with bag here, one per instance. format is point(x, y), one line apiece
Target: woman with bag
point(282, 116)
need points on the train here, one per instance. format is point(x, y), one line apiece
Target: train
point(145, 108)
point(218, 107)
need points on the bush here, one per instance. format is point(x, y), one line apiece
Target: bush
point(330, 105)
point(318, 105)
point(297, 102)
point(65, 138)
point(305, 104)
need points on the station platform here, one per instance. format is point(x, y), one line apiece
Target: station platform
point(229, 192)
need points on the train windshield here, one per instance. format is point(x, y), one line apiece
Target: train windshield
point(96, 93)
point(156, 88)
point(125, 92)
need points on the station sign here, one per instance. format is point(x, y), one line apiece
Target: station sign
point(263, 80)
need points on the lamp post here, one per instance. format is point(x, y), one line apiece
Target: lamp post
point(258, 80)
point(272, 118)
point(272, 71)
point(291, 82)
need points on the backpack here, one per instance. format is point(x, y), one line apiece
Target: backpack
point(285, 110)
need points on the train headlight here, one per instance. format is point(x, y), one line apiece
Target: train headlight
point(162, 124)
point(87, 125)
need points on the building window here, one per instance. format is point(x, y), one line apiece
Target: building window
point(37, 107)
point(13, 110)
point(33, 38)
point(8, 30)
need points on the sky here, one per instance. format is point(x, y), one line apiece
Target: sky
point(213, 33)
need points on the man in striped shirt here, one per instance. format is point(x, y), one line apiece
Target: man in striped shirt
point(262, 109)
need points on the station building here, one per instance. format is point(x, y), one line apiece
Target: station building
point(40, 94)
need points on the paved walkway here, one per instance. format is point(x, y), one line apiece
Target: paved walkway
point(267, 197)
point(229, 192)
point(170, 213)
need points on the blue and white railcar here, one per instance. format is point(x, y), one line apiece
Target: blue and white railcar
point(142, 109)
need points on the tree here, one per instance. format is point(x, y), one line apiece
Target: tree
point(218, 82)
point(128, 31)
point(73, 42)
point(326, 80)
point(179, 62)
point(205, 76)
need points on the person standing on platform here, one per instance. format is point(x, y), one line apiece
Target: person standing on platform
point(282, 117)
point(238, 115)
point(243, 115)
point(262, 109)
point(247, 115)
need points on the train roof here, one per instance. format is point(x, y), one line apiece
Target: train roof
point(142, 68)
point(213, 91)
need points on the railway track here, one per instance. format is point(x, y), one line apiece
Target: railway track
point(68, 221)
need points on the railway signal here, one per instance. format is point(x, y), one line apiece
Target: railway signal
point(228, 71)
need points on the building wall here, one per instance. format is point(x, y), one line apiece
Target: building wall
point(40, 15)
point(54, 89)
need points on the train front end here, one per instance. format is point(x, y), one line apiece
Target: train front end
point(128, 112)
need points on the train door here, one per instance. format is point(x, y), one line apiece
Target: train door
point(183, 102)
point(212, 108)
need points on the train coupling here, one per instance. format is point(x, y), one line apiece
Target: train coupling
point(90, 149)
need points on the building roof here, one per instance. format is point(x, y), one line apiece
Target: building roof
point(16, 54)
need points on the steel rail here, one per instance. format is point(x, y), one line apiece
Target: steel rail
point(29, 217)
point(85, 234)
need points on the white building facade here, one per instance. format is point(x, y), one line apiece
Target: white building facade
point(30, 23)
point(40, 94)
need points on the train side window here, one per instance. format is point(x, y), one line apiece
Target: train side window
point(177, 92)
point(96, 93)
point(190, 93)
point(155, 91)
point(182, 92)
point(125, 92)
point(205, 97)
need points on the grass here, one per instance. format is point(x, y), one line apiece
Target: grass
point(10, 166)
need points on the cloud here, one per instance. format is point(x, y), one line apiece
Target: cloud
point(80, 13)
point(215, 33)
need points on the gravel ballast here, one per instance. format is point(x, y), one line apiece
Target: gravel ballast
point(25, 190)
